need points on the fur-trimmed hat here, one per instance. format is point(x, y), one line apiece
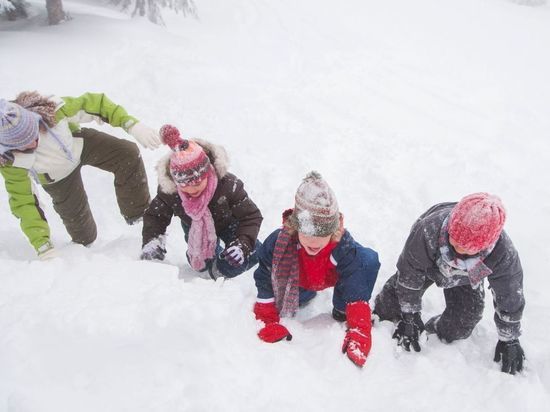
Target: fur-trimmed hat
point(18, 126)
point(188, 163)
point(316, 209)
point(476, 222)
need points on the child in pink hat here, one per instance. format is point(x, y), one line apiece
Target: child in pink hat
point(457, 246)
point(211, 203)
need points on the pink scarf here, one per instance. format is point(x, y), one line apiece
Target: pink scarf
point(202, 240)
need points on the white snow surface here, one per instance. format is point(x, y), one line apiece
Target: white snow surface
point(399, 104)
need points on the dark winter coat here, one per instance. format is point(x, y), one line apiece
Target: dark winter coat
point(418, 263)
point(356, 266)
point(235, 215)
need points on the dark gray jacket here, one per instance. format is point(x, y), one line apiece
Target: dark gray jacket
point(418, 264)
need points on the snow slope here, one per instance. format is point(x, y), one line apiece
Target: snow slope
point(398, 104)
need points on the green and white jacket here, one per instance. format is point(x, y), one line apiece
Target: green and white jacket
point(56, 156)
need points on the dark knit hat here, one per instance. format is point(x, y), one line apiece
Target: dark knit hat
point(18, 126)
point(476, 221)
point(189, 163)
point(316, 209)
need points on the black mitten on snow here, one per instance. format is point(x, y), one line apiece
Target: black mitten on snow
point(408, 330)
point(512, 356)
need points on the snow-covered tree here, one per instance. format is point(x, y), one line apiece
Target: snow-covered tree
point(152, 8)
point(5, 5)
point(13, 9)
point(55, 11)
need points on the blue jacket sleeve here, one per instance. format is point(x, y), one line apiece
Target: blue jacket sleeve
point(357, 267)
point(262, 274)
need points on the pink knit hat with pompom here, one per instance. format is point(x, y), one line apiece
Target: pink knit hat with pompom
point(476, 222)
point(188, 163)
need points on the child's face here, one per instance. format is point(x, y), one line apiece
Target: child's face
point(28, 148)
point(196, 189)
point(313, 244)
point(459, 250)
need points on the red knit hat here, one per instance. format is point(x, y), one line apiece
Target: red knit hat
point(189, 163)
point(476, 221)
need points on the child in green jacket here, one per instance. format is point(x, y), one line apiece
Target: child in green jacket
point(40, 137)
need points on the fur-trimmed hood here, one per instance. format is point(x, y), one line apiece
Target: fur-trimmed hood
point(216, 153)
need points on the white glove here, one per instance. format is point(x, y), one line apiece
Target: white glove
point(51, 253)
point(145, 136)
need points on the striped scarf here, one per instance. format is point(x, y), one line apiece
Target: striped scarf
point(285, 273)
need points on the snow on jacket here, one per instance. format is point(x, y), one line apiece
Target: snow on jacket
point(418, 263)
point(230, 205)
point(54, 160)
point(356, 269)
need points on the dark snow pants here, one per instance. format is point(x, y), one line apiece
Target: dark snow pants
point(106, 152)
point(463, 311)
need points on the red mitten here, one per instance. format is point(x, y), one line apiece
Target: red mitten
point(357, 342)
point(273, 331)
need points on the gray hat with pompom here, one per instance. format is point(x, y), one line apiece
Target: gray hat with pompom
point(316, 209)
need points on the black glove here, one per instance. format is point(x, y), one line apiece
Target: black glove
point(153, 253)
point(408, 330)
point(6, 159)
point(512, 356)
point(235, 253)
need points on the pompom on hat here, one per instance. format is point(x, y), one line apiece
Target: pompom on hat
point(18, 126)
point(316, 209)
point(476, 222)
point(188, 162)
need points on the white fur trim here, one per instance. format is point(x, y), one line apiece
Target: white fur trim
point(166, 183)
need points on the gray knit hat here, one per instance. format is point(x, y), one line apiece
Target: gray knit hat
point(18, 126)
point(316, 209)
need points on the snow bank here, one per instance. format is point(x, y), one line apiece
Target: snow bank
point(398, 104)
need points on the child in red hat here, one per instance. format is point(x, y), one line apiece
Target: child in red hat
point(212, 204)
point(456, 246)
point(312, 252)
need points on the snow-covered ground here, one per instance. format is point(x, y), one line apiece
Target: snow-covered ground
point(399, 104)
